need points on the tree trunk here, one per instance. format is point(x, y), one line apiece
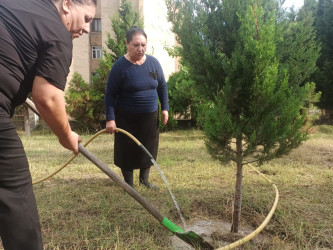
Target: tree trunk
point(239, 186)
point(27, 128)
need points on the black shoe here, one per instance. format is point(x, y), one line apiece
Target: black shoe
point(149, 185)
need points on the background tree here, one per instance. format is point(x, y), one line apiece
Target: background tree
point(253, 105)
point(121, 23)
point(85, 102)
point(324, 75)
point(298, 50)
point(184, 101)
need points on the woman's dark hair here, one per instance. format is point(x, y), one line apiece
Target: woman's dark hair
point(82, 2)
point(133, 31)
point(85, 2)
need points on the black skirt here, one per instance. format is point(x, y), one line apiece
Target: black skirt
point(145, 128)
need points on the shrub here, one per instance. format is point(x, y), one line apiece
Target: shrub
point(85, 103)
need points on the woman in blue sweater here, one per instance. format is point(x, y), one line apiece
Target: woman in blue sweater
point(134, 86)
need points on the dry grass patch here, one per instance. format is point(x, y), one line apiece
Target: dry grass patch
point(81, 208)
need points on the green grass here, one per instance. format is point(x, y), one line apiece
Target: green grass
point(81, 208)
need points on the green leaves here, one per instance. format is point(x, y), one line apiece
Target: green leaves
point(121, 23)
point(323, 77)
point(84, 103)
point(249, 65)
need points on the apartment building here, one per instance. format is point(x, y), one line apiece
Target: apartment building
point(87, 50)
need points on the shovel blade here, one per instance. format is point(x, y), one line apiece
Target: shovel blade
point(194, 240)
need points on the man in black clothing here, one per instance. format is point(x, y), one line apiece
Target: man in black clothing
point(35, 56)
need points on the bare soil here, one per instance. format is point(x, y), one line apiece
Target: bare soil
point(217, 233)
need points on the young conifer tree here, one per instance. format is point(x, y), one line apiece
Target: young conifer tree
point(253, 112)
point(255, 109)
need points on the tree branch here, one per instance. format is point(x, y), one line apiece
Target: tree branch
point(256, 20)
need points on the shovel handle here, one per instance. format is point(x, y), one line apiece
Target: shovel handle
point(31, 106)
point(189, 237)
point(102, 166)
point(131, 191)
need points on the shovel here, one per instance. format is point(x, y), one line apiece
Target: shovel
point(189, 237)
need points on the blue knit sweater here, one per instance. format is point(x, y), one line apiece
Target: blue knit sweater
point(135, 88)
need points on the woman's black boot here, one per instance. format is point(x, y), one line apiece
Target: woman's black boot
point(143, 178)
point(128, 176)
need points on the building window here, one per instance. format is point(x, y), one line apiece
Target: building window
point(96, 25)
point(96, 51)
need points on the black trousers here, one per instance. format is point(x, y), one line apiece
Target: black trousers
point(19, 221)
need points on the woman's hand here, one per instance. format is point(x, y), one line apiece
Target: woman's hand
point(165, 116)
point(110, 126)
point(71, 142)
